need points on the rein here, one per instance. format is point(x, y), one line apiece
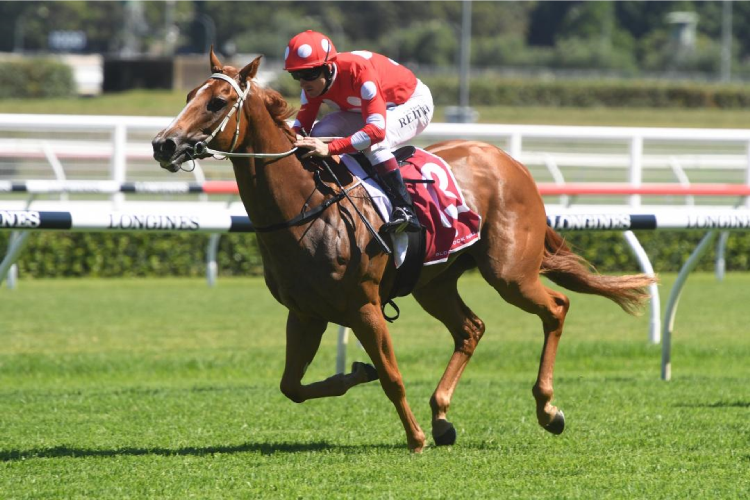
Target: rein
point(309, 215)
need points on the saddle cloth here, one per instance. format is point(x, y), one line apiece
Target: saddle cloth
point(450, 224)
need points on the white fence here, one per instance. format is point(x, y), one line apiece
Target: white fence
point(75, 147)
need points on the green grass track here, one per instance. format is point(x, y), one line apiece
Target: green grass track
point(168, 389)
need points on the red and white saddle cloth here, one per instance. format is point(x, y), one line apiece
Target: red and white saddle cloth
point(451, 224)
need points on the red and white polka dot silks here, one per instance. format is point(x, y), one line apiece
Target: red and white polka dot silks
point(367, 83)
point(309, 49)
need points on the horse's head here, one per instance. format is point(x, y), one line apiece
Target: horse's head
point(204, 119)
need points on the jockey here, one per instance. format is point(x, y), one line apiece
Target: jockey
point(379, 105)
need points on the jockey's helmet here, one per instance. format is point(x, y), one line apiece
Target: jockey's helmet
point(308, 49)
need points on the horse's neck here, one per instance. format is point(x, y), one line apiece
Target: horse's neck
point(272, 190)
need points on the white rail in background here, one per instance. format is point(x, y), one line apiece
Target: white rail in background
point(639, 147)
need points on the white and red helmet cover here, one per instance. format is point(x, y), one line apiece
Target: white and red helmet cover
point(308, 49)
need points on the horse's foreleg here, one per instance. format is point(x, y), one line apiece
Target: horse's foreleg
point(303, 337)
point(372, 333)
point(443, 302)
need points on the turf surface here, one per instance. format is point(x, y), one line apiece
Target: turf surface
point(169, 389)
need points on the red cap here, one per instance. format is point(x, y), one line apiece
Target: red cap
point(309, 49)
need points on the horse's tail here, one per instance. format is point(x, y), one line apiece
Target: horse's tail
point(575, 273)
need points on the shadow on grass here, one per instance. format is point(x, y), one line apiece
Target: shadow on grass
point(262, 448)
point(719, 404)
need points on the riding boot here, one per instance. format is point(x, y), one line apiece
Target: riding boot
point(403, 217)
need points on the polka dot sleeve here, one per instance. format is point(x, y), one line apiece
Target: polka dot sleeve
point(365, 83)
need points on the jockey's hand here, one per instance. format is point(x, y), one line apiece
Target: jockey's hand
point(316, 146)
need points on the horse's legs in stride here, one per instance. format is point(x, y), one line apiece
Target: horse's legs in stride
point(527, 292)
point(441, 300)
point(372, 332)
point(302, 341)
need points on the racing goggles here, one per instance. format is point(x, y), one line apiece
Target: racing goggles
point(308, 74)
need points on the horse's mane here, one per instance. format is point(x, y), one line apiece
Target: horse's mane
point(278, 108)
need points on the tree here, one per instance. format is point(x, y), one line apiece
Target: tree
point(431, 42)
point(34, 21)
point(246, 23)
point(617, 34)
point(545, 22)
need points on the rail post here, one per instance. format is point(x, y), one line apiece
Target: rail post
point(119, 161)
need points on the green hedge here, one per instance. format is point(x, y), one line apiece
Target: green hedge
point(52, 254)
point(668, 251)
point(64, 254)
point(35, 78)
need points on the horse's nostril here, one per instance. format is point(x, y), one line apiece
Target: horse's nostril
point(164, 148)
point(169, 146)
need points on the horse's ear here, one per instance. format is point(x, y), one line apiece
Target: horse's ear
point(248, 72)
point(216, 66)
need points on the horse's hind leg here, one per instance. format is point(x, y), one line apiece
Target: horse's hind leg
point(553, 317)
point(441, 300)
point(526, 291)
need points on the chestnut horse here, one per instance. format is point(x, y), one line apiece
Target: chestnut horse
point(330, 269)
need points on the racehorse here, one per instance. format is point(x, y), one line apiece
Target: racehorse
point(328, 268)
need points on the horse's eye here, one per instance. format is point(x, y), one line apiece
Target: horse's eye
point(216, 104)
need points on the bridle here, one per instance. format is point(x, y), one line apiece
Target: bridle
point(202, 148)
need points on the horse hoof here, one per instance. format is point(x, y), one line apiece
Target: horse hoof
point(370, 371)
point(447, 437)
point(557, 426)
